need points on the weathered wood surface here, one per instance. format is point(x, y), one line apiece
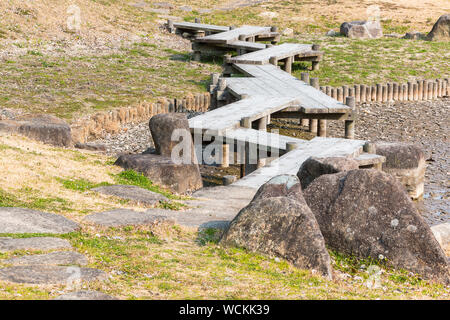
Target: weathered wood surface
point(280, 52)
point(290, 162)
point(246, 45)
point(261, 139)
point(233, 35)
point(229, 116)
point(269, 80)
point(200, 27)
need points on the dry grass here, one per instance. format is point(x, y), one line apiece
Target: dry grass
point(33, 173)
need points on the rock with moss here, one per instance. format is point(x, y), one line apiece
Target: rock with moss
point(367, 213)
point(179, 178)
point(278, 222)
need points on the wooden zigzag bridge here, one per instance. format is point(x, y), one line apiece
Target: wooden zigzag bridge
point(253, 89)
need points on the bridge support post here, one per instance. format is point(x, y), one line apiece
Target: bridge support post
point(304, 76)
point(322, 128)
point(274, 61)
point(313, 123)
point(350, 124)
point(225, 156)
point(262, 125)
point(288, 64)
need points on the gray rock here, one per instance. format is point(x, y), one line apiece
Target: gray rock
point(40, 274)
point(362, 29)
point(180, 178)
point(280, 186)
point(367, 213)
point(314, 167)
point(54, 258)
point(163, 126)
point(407, 163)
point(35, 243)
point(332, 33)
point(20, 220)
point(133, 193)
point(441, 29)
point(125, 217)
point(278, 222)
point(45, 128)
point(91, 146)
point(400, 155)
point(86, 295)
point(414, 35)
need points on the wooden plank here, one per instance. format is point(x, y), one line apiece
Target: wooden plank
point(280, 52)
point(233, 35)
point(290, 162)
point(247, 45)
point(261, 139)
point(229, 116)
point(311, 100)
point(200, 27)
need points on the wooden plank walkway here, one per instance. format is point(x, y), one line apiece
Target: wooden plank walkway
point(246, 45)
point(280, 52)
point(219, 120)
point(233, 35)
point(267, 91)
point(268, 80)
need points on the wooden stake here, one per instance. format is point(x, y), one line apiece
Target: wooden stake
point(415, 91)
point(395, 91)
point(362, 97)
point(357, 90)
point(379, 93)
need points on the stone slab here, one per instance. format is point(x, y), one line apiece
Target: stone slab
point(133, 193)
point(20, 220)
point(54, 258)
point(124, 217)
point(34, 243)
point(43, 275)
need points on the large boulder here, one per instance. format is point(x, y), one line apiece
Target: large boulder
point(367, 213)
point(278, 222)
point(314, 167)
point(362, 29)
point(170, 129)
point(441, 29)
point(45, 128)
point(180, 178)
point(407, 163)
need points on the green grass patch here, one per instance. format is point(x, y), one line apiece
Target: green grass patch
point(81, 185)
